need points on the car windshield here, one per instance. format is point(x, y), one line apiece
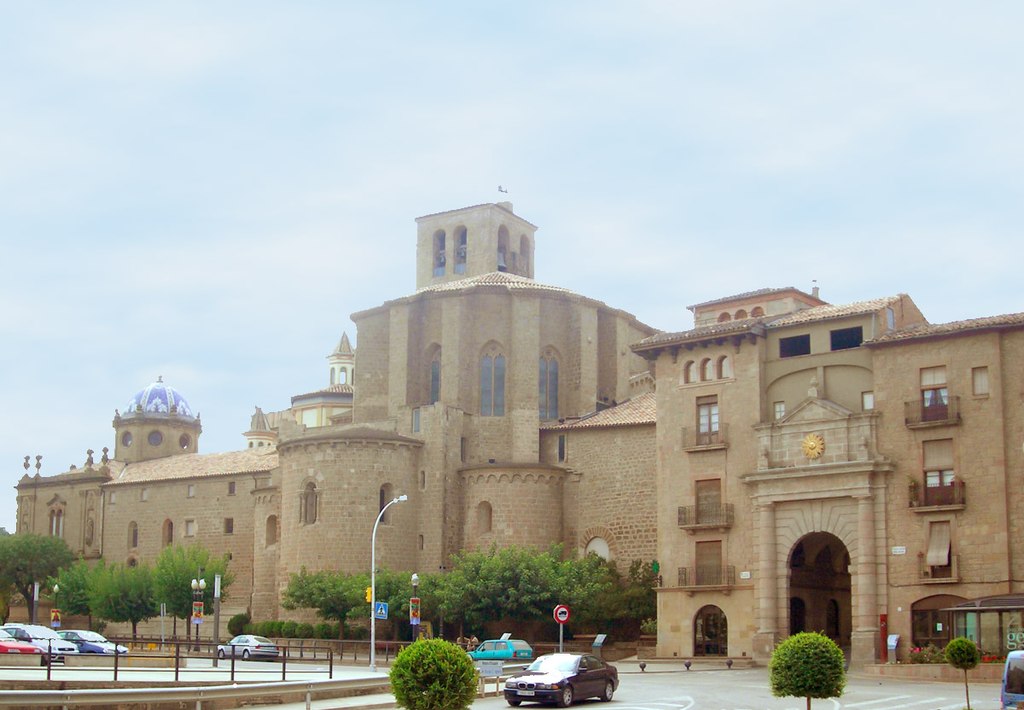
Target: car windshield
point(91, 636)
point(41, 632)
point(261, 639)
point(4, 636)
point(546, 664)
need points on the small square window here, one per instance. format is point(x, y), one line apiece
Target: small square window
point(846, 338)
point(779, 410)
point(231, 488)
point(795, 345)
point(190, 528)
point(867, 401)
point(191, 490)
point(229, 526)
point(979, 381)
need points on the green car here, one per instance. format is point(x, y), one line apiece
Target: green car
point(502, 650)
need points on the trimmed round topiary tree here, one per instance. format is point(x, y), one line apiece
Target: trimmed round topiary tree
point(807, 665)
point(433, 674)
point(237, 623)
point(963, 653)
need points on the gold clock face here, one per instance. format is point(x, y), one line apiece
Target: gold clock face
point(813, 446)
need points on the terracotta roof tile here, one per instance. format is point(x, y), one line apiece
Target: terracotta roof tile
point(641, 409)
point(332, 389)
point(494, 278)
point(181, 466)
point(934, 330)
point(751, 294)
point(730, 327)
point(829, 312)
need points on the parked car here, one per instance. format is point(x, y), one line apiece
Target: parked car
point(1012, 691)
point(563, 678)
point(92, 642)
point(43, 638)
point(248, 646)
point(502, 650)
point(9, 644)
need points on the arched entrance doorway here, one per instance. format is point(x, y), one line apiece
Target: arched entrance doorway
point(819, 587)
point(710, 632)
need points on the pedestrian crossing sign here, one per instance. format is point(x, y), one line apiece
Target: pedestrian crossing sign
point(380, 611)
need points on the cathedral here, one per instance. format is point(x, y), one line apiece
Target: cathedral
point(789, 463)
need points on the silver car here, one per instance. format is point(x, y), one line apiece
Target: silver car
point(248, 646)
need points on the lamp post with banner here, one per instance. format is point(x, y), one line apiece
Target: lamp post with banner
point(198, 589)
point(414, 607)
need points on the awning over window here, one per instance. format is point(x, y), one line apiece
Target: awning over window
point(938, 544)
point(938, 455)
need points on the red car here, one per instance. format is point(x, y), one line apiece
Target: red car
point(9, 644)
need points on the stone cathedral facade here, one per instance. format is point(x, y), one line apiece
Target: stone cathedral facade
point(791, 464)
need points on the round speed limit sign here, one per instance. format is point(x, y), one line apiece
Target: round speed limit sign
point(561, 613)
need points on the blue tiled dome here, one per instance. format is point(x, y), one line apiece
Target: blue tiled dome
point(159, 398)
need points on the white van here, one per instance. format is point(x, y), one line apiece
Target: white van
point(1012, 694)
point(42, 638)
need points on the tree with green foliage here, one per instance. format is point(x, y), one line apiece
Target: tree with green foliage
point(334, 595)
point(807, 665)
point(123, 593)
point(963, 653)
point(174, 571)
point(26, 559)
point(431, 674)
point(74, 583)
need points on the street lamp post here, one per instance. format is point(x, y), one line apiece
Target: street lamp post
point(373, 581)
point(198, 587)
point(415, 601)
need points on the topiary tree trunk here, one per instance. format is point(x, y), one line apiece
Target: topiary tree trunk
point(962, 653)
point(807, 665)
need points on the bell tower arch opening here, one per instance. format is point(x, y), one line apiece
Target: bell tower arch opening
point(820, 597)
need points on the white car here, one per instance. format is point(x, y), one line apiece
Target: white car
point(43, 638)
point(92, 642)
point(248, 646)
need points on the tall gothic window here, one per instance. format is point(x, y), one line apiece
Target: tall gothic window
point(308, 504)
point(547, 395)
point(492, 385)
point(435, 378)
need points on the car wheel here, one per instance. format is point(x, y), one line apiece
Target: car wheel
point(220, 653)
point(245, 655)
point(513, 702)
point(609, 691)
point(565, 699)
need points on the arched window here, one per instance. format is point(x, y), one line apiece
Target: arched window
point(386, 495)
point(502, 248)
point(332, 377)
point(740, 314)
point(167, 535)
point(308, 500)
point(271, 530)
point(706, 372)
point(435, 377)
point(710, 632)
point(484, 518)
point(492, 384)
point(133, 535)
point(689, 372)
point(756, 312)
point(724, 317)
point(524, 255)
point(460, 250)
point(599, 546)
point(547, 395)
point(723, 367)
point(57, 522)
point(440, 258)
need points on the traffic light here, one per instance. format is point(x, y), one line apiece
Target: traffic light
point(369, 594)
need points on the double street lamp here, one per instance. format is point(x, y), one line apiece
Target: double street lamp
point(198, 588)
point(373, 580)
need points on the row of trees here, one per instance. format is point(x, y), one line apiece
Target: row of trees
point(511, 584)
point(114, 592)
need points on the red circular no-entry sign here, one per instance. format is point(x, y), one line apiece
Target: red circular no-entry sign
point(561, 613)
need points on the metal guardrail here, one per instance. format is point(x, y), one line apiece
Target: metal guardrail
point(123, 696)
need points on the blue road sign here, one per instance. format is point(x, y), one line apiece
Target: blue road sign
point(380, 611)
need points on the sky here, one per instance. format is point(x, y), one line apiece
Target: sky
point(206, 191)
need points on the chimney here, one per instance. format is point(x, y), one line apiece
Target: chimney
point(814, 290)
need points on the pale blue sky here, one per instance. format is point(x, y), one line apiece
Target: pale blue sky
point(206, 191)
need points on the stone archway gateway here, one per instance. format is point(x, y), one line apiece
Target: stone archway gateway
point(820, 587)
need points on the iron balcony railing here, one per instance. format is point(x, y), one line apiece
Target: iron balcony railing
point(931, 496)
point(707, 576)
point(717, 515)
point(918, 414)
point(697, 439)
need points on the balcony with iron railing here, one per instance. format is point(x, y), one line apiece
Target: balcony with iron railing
point(938, 574)
point(707, 577)
point(696, 440)
point(919, 415)
point(700, 517)
point(925, 499)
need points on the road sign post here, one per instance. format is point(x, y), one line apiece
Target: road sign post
point(561, 614)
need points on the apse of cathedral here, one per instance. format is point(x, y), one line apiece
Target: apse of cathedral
point(791, 464)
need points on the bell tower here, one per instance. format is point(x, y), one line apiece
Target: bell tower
point(473, 241)
point(157, 422)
